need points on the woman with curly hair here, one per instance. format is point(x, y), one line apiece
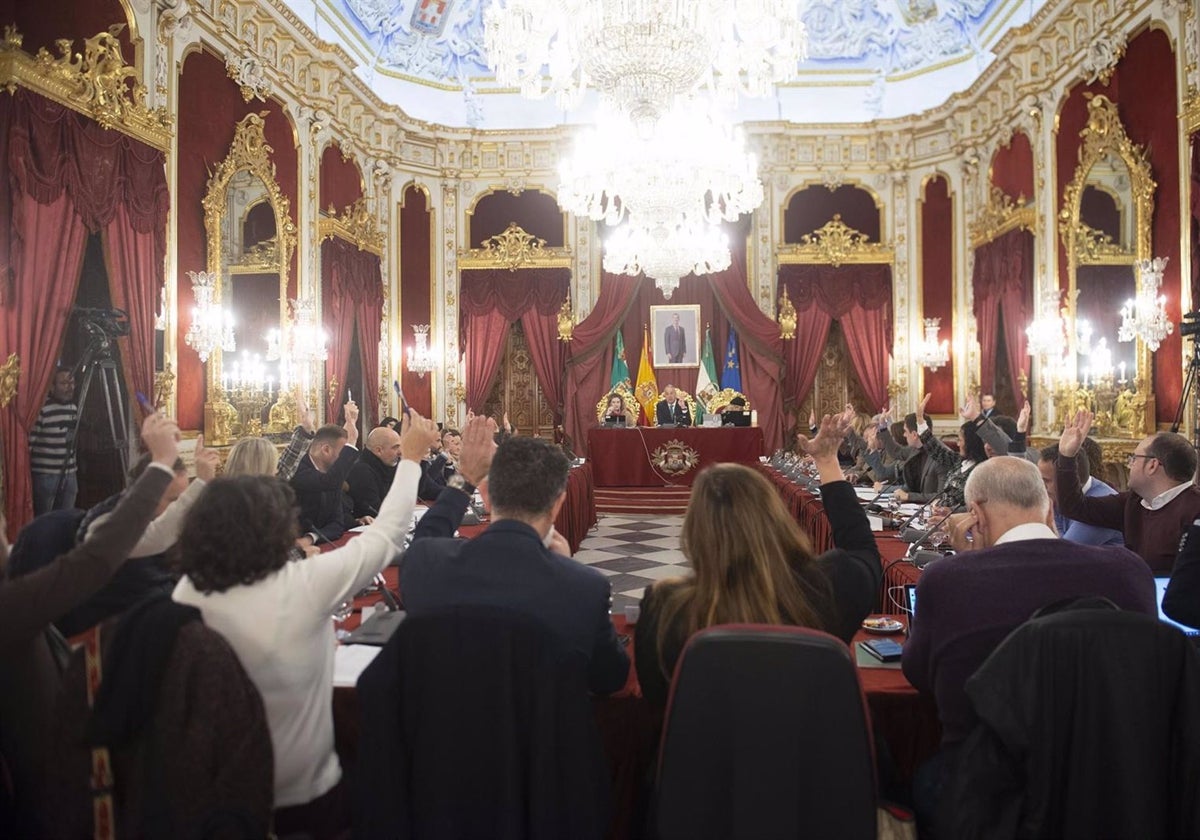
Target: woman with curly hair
point(751, 563)
point(235, 555)
point(616, 412)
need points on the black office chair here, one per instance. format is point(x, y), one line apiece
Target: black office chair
point(766, 736)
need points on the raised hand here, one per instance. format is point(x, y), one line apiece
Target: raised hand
point(351, 424)
point(478, 447)
point(1074, 434)
point(207, 460)
point(419, 434)
point(921, 412)
point(828, 438)
point(812, 418)
point(970, 409)
point(308, 418)
point(1023, 418)
point(160, 436)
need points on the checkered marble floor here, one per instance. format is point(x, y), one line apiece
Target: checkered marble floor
point(634, 551)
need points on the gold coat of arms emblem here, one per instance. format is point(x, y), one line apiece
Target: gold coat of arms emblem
point(675, 457)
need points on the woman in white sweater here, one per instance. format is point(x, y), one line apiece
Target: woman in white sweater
point(275, 612)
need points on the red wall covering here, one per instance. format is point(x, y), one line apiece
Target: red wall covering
point(1143, 86)
point(341, 182)
point(416, 236)
point(210, 104)
point(537, 213)
point(1012, 167)
point(937, 283)
point(811, 207)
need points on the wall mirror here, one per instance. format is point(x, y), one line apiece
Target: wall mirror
point(251, 237)
point(1105, 225)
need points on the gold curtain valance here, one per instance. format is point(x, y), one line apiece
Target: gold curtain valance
point(836, 243)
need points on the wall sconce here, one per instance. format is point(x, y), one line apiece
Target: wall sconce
point(930, 353)
point(212, 327)
point(420, 359)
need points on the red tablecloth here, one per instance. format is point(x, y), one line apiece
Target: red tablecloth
point(627, 457)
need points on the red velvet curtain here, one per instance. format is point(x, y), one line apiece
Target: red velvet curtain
point(135, 279)
point(48, 243)
point(489, 301)
point(860, 297)
point(354, 294)
point(589, 356)
point(1003, 283)
point(803, 353)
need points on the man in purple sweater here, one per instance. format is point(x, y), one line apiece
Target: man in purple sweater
point(970, 601)
point(1160, 504)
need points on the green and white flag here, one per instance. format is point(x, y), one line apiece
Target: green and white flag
point(706, 380)
point(620, 368)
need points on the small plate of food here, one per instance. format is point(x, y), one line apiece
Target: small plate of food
point(882, 625)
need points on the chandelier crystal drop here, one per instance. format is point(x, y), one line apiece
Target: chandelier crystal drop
point(1145, 317)
point(420, 357)
point(666, 254)
point(1047, 335)
point(930, 353)
point(643, 54)
point(212, 327)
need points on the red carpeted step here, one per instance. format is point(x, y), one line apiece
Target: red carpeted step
point(642, 500)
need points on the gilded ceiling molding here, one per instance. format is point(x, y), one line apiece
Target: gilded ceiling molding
point(94, 83)
point(513, 249)
point(1001, 215)
point(357, 225)
point(836, 244)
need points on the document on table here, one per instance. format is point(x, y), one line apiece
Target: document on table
point(349, 661)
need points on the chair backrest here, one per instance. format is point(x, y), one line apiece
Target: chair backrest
point(723, 398)
point(631, 403)
point(475, 724)
point(766, 735)
point(682, 395)
point(1089, 726)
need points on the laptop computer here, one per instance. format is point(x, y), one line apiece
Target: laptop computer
point(910, 601)
point(1193, 633)
point(377, 629)
point(614, 421)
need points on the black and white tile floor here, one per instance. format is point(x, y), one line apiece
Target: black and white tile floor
point(634, 551)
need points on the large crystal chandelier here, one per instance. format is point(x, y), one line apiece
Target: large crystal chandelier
point(1046, 337)
point(301, 345)
point(931, 353)
point(1145, 317)
point(643, 54)
point(666, 253)
point(212, 327)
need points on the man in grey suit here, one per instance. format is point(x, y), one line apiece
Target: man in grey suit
point(675, 340)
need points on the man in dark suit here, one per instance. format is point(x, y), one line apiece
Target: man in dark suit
point(520, 563)
point(987, 405)
point(922, 476)
point(324, 508)
point(671, 410)
point(970, 601)
point(371, 477)
point(675, 341)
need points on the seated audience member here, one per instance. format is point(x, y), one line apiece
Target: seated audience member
point(970, 601)
point(29, 668)
point(1001, 435)
point(148, 570)
point(432, 482)
point(1160, 504)
point(252, 456)
point(275, 612)
point(324, 507)
point(1069, 529)
point(390, 422)
point(957, 464)
point(922, 478)
point(371, 476)
point(301, 439)
point(443, 463)
point(1181, 601)
point(751, 562)
point(617, 412)
point(521, 563)
point(671, 410)
point(887, 450)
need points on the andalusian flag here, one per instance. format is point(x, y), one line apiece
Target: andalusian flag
point(620, 368)
point(647, 385)
point(706, 380)
point(731, 375)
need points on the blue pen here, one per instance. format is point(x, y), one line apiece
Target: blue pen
point(145, 403)
point(403, 403)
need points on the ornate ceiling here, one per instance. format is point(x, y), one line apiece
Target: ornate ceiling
point(868, 59)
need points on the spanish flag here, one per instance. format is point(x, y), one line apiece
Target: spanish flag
point(647, 386)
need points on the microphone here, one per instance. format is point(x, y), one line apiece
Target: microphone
point(871, 504)
point(911, 534)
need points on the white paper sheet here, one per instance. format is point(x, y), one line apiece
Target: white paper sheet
point(349, 661)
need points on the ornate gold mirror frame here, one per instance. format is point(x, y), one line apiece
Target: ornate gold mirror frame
point(249, 152)
point(1132, 412)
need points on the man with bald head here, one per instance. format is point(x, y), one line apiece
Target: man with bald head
point(1010, 563)
point(372, 475)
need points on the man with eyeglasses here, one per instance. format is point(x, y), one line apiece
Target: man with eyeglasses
point(1160, 504)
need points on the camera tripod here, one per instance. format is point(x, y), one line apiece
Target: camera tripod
point(98, 357)
point(1189, 391)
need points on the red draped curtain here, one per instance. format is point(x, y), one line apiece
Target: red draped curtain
point(860, 298)
point(353, 284)
point(69, 176)
point(1003, 284)
point(489, 301)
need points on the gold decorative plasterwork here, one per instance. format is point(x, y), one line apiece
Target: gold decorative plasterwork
point(164, 385)
point(513, 249)
point(10, 376)
point(1095, 247)
point(97, 83)
point(1000, 215)
point(836, 244)
point(356, 224)
point(675, 458)
point(1191, 114)
point(251, 153)
point(631, 403)
point(787, 317)
point(566, 320)
point(261, 257)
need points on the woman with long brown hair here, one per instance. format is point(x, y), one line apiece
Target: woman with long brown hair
point(751, 563)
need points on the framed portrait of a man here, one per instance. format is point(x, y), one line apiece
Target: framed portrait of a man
point(675, 335)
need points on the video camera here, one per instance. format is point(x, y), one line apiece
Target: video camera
point(105, 323)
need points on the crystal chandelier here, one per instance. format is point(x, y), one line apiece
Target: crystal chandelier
point(1145, 317)
point(666, 253)
point(930, 353)
point(303, 344)
point(1046, 337)
point(641, 55)
point(420, 358)
point(212, 327)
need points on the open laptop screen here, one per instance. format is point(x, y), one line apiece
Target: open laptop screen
point(1160, 584)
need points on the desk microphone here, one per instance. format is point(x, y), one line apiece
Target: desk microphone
point(911, 534)
point(872, 502)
